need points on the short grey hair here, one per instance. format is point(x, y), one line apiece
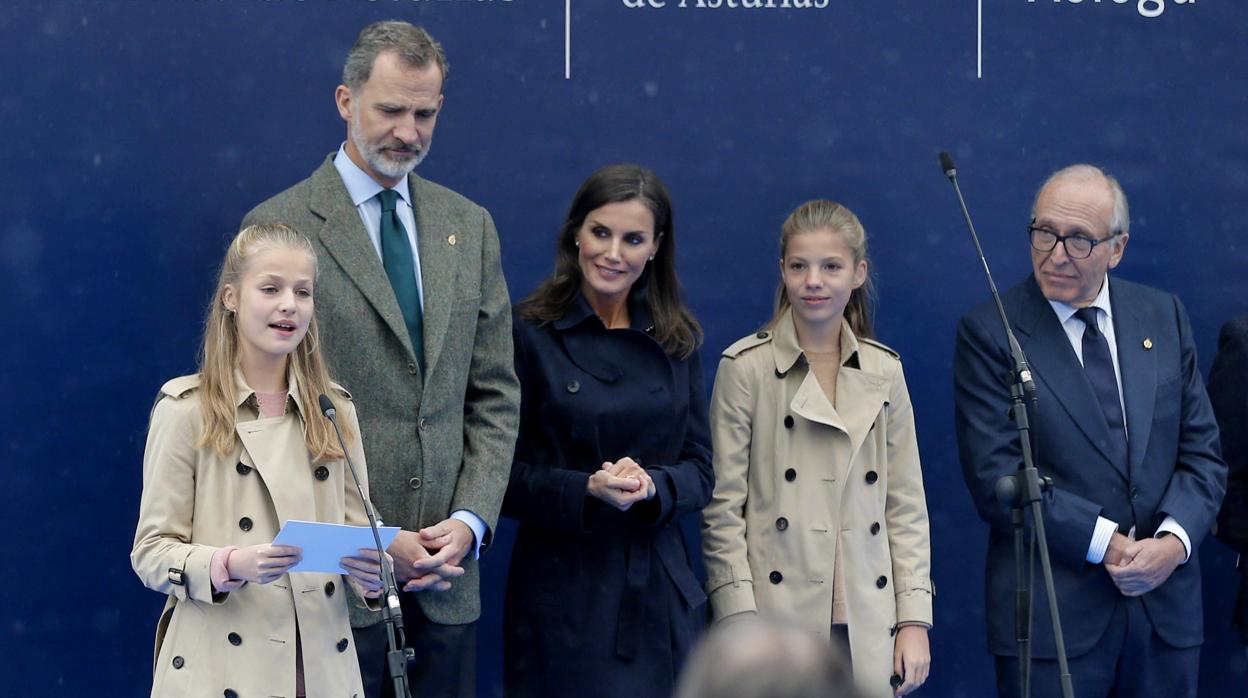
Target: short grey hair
point(413, 45)
point(754, 657)
point(1120, 221)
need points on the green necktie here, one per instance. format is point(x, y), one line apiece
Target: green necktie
point(396, 257)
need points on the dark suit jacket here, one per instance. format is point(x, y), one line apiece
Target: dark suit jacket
point(1173, 463)
point(1228, 390)
point(436, 440)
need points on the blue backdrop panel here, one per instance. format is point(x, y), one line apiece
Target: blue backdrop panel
point(140, 132)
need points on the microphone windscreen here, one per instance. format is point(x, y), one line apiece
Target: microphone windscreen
point(946, 163)
point(327, 405)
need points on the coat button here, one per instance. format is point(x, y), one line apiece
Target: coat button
point(788, 421)
point(329, 588)
point(423, 424)
point(762, 335)
point(322, 473)
point(235, 639)
point(782, 524)
point(243, 468)
point(1135, 493)
point(178, 662)
point(894, 681)
point(881, 582)
point(790, 475)
point(412, 368)
point(244, 523)
point(342, 645)
point(574, 387)
point(230, 693)
point(875, 528)
point(414, 483)
point(775, 577)
point(872, 477)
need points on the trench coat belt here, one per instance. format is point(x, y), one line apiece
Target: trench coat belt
point(633, 603)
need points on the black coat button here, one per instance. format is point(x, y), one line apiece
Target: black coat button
point(1135, 493)
point(872, 477)
point(790, 475)
point(762, 335)
point(342, 645)
point(322, 473)
point(788, 421)
point(243, 468)
point(329, 588)
point(178, 662)
point(235, 639)
point(782, 524)
point(881, 582)
point(244, 523)
point(414, 483)
point(775, 577)
point(875, 528)
point(894, 681)
point(574, 387)
point(231, 693)
point(412, 368)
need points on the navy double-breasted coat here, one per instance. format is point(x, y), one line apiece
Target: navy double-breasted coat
point(600, 600)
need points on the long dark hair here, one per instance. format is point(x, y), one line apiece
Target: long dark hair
point(821, 214)
point(675, 328)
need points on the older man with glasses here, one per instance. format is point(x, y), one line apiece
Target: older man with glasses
point(1123, 427)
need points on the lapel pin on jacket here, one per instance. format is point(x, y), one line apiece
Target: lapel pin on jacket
point(1148, 343)
point(450, 240)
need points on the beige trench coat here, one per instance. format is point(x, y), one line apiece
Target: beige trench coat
point(795, 478)
point(196, 501)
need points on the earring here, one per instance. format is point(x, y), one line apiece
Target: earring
point(651, 258)
point(577, 243)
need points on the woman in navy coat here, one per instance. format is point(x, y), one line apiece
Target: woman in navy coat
point(614, 449)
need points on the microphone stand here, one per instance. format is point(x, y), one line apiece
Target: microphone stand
point(1024, 489)
point(397, 656)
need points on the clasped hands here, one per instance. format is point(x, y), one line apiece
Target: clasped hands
point(621, 484)
point(429, 559)
point(1139, 566)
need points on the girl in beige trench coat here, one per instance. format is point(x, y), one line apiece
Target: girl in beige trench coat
point(818, 514)
point(232, 453)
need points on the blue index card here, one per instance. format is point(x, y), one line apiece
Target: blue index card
point(324, 544)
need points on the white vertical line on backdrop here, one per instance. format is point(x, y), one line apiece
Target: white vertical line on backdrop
point(567, 39)
point(979, 41)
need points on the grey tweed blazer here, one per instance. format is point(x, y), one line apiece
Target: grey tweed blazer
point(436, 440)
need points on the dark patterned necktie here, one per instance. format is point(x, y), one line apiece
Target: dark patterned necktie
point(396, 257)
point(1099, 367)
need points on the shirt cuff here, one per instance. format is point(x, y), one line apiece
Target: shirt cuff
point(478, 528)
point(219, 572)
point(1171, 525)
point(1105, 529)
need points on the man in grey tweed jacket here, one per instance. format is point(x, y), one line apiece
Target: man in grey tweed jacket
point(437, 398)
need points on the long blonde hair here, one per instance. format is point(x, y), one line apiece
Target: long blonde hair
point(821, 214)
point(220, 355)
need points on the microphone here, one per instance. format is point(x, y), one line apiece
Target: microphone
point(327, 405)
point(397, 656)
point(1023, 371)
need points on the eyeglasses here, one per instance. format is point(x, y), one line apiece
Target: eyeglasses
point(1077, 246)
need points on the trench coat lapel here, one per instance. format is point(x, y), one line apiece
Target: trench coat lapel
point(437, 241)
point(274, 447)
point(1139, 374)
point(860, 393)
point(1054, 363)
point(342, 233)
